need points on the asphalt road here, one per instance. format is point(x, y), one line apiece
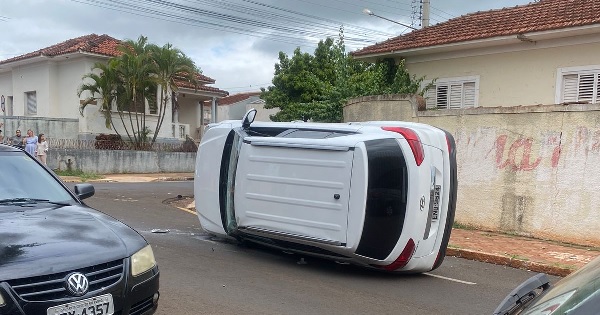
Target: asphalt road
point(202, 275)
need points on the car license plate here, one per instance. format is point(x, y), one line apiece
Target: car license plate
point(99, 305)
point(436, 202)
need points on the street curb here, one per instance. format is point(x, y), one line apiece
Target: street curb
point(172, 179)
point(110, 180)
point(508, 261)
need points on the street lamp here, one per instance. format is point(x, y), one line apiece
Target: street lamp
point(369, 12)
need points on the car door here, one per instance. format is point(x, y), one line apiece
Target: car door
point(294, 188)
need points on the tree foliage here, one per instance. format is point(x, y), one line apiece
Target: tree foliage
point(316, 86)
point(139, 81)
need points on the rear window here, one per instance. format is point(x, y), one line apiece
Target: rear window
point(386, 198)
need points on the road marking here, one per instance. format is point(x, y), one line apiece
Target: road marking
point(449, 279)
point(187, 210)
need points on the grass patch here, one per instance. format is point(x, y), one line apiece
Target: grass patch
point(454, 246)
point(458, 225)
point(564, 266)
point(79, 173)
point(518, 257)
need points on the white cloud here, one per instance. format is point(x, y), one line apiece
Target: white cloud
point(242, 62)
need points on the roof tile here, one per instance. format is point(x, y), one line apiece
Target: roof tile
point(232, 99)
point(544, 15)
point(102, 45)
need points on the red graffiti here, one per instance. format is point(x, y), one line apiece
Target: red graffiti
point(520, 148)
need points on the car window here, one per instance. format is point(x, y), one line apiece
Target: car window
point(22, 177)
point(569, 293)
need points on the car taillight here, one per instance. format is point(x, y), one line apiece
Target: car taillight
point(413, 141)
point(404, 257)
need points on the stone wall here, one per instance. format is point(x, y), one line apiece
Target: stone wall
point(531, 170)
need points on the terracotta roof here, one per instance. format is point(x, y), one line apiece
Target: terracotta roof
point(544, 15)
point(232, 99)
point(97, 44)
point(101, 45)
point(187, 85)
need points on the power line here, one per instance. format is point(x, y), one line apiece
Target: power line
point(269, 25)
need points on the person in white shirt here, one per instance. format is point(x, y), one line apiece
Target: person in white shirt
point(41, 149)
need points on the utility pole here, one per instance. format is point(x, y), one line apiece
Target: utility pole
point(425, 16)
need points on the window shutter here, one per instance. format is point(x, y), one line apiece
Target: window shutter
point(586, 87)
point(442, 96)
point(455, 96)
point(31, 103)
point(469, 91)
point(570, 87)
point(597, 85)
point(430, 101)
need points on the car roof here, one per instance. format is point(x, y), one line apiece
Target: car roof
point(7, 148)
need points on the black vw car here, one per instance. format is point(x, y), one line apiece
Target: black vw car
point(59, 256)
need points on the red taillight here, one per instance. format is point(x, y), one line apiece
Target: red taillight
point(413, 141)
point(449, 145)
point(404, 257)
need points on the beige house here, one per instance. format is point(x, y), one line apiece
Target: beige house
point(545, 52)
point(41, 87)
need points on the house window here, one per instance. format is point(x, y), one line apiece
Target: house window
point(578, 84)
point(31, 103)
point(453, 93)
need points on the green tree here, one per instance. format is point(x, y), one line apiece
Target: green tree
point(143, 76)
point(317, 86)
point(171, 65)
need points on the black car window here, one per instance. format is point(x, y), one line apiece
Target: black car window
point(22, 177)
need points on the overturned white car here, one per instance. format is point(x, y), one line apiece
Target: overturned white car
point(376, 194)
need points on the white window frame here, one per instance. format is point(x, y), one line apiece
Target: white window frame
point(561, 73)
point(450, 82)
point(34, 108)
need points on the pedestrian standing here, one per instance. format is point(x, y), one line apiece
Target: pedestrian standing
point(30, 142)
point(17, 140)
point(42, 148)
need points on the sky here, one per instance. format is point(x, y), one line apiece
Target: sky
point(235, 42)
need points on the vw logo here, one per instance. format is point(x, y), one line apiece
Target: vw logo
point(77, 284)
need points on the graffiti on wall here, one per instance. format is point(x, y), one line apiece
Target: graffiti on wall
point(525, 154)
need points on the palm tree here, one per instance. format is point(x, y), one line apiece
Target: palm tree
point(171, 65)
point(134, 80)
point(139, 85)
point(103, 89)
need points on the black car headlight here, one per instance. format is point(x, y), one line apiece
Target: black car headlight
point(2, 300)
point(142, 261)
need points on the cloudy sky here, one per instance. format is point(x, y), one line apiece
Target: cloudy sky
point(235, 42)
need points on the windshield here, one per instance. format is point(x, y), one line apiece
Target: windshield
point(22, 177)
point(569, 294)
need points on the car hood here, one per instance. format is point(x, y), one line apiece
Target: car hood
point(46, 239)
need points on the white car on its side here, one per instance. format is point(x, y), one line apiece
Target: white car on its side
point(376, 194)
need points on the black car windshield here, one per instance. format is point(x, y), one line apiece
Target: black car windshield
point(23, 179)
point(571, 294)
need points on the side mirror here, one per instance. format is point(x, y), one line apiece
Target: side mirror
point(84, 191)
point(248, 118)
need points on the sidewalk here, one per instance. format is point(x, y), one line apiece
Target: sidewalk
point(520, 252)
point(502, 249)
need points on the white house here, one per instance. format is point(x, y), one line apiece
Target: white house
point(542, 53)
point(236, 105)
point(42, 86)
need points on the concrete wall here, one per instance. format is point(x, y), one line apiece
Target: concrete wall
point(532, 170)
point(58, 128)
point(519, 74)
point(121, 161)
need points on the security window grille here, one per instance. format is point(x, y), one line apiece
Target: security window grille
point(31, 103)
point(581, 87)
point(452, 95)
